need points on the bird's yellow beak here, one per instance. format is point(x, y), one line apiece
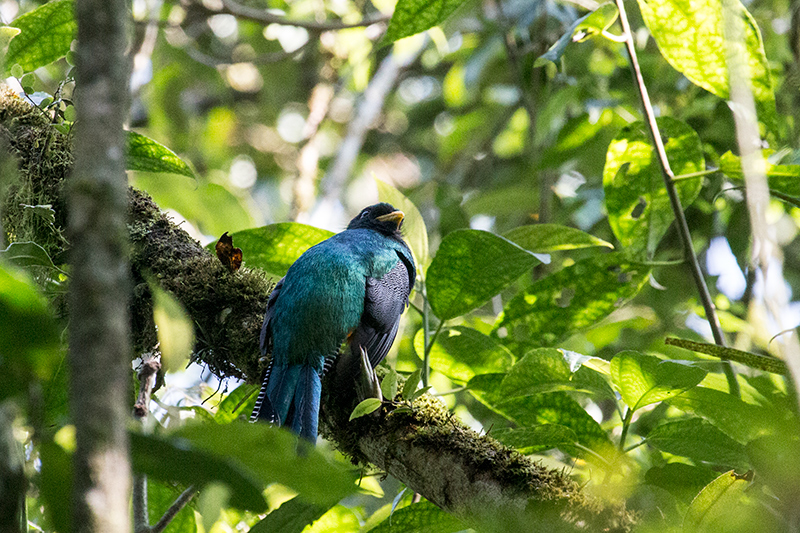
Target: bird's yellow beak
point(395, 216)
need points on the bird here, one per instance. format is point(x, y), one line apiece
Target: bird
point(346, 293)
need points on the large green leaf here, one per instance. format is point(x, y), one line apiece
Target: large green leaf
point(171, 460)
point(699, 441)
point(470, 267)
point(239, 402)
point(272, 454)
point(716, 504)
point(536, 439)
point(682, 480)
point(547, 370)
point(638, 206)
point(546, 238)
point(740, 420)
point(55, 481)
point(784, 179)
point(461, 352)
point(147, 155)
point(29, 336)
point(46, 35)
point(414, 16)
point(414, 231)
point(691, 37)
point(291, 517)
point(550, 408)
point(643, 379)
point(419, 517)
point(574, 298)
point(275, 247)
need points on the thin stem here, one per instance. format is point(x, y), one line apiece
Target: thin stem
point(141, 520)
point(265, 17)
point(426, 362)
point(692, 175)
point(634, 446)
point(426, 309)
point(680, 218)
point(185, 497)
point(626, 423)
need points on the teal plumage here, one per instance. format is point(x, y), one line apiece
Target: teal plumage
point(351, 288)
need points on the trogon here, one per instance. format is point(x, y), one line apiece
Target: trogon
point(347, 290)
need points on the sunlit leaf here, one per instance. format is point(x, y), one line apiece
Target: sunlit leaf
point(291, 517)
point(644, 379)
point(585, 27)
point(546, 238)
point(272, 455)
point(414, 231)
point(638, 206)
point(536, 439)
point(275, 247)
point(716, 503)
point(365, 407)
point(423, 516)
point(147, 155)
point(781, 178)
point(175, 329)
point(574, 298)
point(461, 352)
point(682, 480)
point(471, 267)
point(414, 16)
point(699, 441)
point(691, 37)
point(46, 35)
point(239, 402)
point(389, 385)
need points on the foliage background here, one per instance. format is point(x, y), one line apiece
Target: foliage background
point(478, 134)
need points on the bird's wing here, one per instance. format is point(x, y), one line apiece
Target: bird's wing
point(384, 302)
point(265, 340)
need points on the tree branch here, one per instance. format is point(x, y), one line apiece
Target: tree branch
point(430, 449)
point(674, 199)
point(265, 17)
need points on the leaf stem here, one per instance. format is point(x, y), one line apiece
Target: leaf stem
point(429, 340)
point(669, 183)
point(698, 174)
point(626, 423)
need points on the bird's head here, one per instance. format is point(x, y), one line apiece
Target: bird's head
point(382, 217)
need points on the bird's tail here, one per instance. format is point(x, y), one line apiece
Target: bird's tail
point(290, 397)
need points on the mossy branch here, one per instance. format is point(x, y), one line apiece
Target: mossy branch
point(472, 476)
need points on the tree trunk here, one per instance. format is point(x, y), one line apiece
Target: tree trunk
point(99, 353)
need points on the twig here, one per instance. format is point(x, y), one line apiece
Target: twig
point(680, 218)
point(146, 373)
point(265, 17)
point(185, 497)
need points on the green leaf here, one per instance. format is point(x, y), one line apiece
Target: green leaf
point(574, 298)
point(699, 441)
point(365, 407)
point(461, 352)
point(6, 34)
point(536, 439)
point(470, 268)
point(147, 155)
point(644, 379)
point(30, 348)
point(44, 211)
point(171, 460)
point(46, 35)
point(587, 26)
point(413, 16)
point(781, 178)
point(546, 238)
point(240, 401)
point(275, 247)
point(26, 254)
point(775, 461)
point(175, 329)
point(716, 503)
point(682, 480)
point(418, 517)
point(389, 385)
point(638, 206)
point(550, 408)
point(160, 496)
point(414, 231)
point(739, 420)
point(410, 386)
point(291, 517)
point(272, 455)
point(212, 499)
point(691, 37)
point(55, 482)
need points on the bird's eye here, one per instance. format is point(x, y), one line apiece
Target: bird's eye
point(363, 214)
